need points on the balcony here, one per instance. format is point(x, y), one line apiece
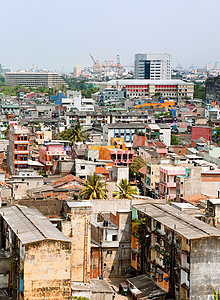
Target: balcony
point(21, 151)
point(21, 142)
point(21, 162)
point(171, 184)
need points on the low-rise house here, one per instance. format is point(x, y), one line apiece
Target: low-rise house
point(50, 154)
point(84, 168)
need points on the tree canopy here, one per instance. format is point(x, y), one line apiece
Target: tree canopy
point(94, 188)
point(136, 165)
point(174, 140)
point(125, 190)
point(73, 134)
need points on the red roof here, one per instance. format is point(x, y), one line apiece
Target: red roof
point(195, 199)
point(66, 179)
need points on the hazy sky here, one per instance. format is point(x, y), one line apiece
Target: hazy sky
point(56, 34)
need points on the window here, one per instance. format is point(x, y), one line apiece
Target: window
point(188, 259)
point(133, 256)
point(158, 225)
point(114, 237)
point(160, 277)
point(83, 167)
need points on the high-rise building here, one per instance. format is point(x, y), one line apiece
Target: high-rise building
point(77, 71)
point(18, 148)
point(34, 79)
point(152, 66)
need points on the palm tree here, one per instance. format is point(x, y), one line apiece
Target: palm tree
point(6, 132)
point(77, 133)
point(125, 190)
point(94, 188)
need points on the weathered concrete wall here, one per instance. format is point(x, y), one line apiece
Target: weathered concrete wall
point(47, 271)
point(124, 225)
point(66, 166)
point(47, 207)
point(204, 267)
point(78, 230)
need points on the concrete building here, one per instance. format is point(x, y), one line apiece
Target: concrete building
point(50, 154)
point(42, 136)
point(201, 131)
point(34, 79)
point(113, 233)
point(172, 89)
point(84, 168)
point(74, 100)
point(168, 177)
point(160, 132)
point(178, 251)
point(77, 71)
point(77, 227)
point(23, 181)
point(121, 130)
point(213, 88)
point(152, 66)
point(18, 150)
point(39, 255)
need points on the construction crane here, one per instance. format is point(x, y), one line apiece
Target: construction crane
point(96, 66)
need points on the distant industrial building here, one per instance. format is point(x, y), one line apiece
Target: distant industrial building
point(152, 66)
point(48, 79)
point(172, 89)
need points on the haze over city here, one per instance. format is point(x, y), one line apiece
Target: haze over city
point(56, 35)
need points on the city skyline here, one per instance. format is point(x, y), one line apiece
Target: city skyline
point(58, 37)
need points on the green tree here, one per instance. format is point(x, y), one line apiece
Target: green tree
point(136, 165)
point(216, 135)
point(73, 134)
point(174, 140)
point(125, 190)
point(94, 188)
point(216, 295)
point(78, 134)
point(6, 132)
point(199, 91)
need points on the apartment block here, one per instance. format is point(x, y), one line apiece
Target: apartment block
point(18, 151)
point(176, 250)
point(152, 66)
point(118, 130)
point(36, 257)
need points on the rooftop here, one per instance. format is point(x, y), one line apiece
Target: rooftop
point(145, 82)
point(126, 125)
point(145, 286)
point(184, 224)
point(30, 225)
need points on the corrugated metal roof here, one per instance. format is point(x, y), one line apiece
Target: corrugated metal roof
point(186, 225)
point(30, 225)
